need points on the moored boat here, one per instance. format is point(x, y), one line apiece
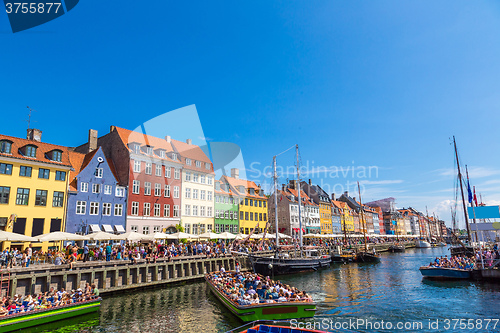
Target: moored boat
point(33, 318)
point(367, 257)
point(396, 248)
point(311, 261)
point(444, 273)
point(262, 328)
point(263, 311)
point(421, 244)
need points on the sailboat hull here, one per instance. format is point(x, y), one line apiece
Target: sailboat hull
point(268, 266)
point(422, 244)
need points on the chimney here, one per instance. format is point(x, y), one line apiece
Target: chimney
point(283, 187)
point(112, 128)
point(235, 173)
point(310, 182)
point(292, 184)
point(34, 134)
point(189, 141)
point(333, 196)
point(92, 140)
point(346, 193)
point(168, 138)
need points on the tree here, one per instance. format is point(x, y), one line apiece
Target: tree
point(179, 228)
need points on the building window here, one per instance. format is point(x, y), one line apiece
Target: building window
point(136, 186)
point(187, 194)
point(176, 211)
point(96, 188)
point(166, 210)
point(43, 173)
point(251, 202)
point(157, 209)
point(58, 199)
point(41, 198)
point(195, 229)
point(246, 202)
point(265, 218)
point(162, 154)
point(25, 171)
point(260, 203)
point(217, 213)
point(210, 180)
point(147, 209)
point(207, 166)
point(149, 150)
point(81, 207)
point(120, 191)
point(156, 229)
point(176, 192)
point(202, 210)
point(106, 209)
point(84, 187)
point(241, 215)
point(168, 172)
point(195, 177)
point(158, 170)
point(188, 161)
point(145, 229)
point(30, 151)
point(217, 199)
point(202, 179)
point(264, 204)
point(260, 216)
point(57, 155)
point(195, 194)
point(147, 188)
point(246, 216)
point(98, 172)
point(5, 147)
point(202, 194)
point(157, 189)
point(251, 216)
point(94, 208)
point(188, 228)
point(118, 209)
point(209, 195)
point(4, 194)
point(61, 175)
point(5, 169)
point(177, 173)
point(108, 189)
point(198, 164)
point(137, 166)
point(187, 210)
point(135, 208)
point(167, 191)
point(174, 156)
point(149, 168)
point(133, 228)
point(137, 148)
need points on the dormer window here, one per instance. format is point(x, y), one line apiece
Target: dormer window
point(252, 191)
point(217, 186)
point(242, 189)
point(5, 147)
point(30, 151)
point(149, 150)
point(137, 149)
point(56, 155)
point(162, 154)
point(198, 164)
point(207, 166)
point(174, 156)
point(292, 197)
point(188, 161)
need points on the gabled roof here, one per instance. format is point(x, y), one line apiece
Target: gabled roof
point(128, 136)
point(76, 160)
point(221, 191)
point(303, 196)
point(194, 153)
point(247, 184)
point(41, 152)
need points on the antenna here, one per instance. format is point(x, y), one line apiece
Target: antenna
point(29, 116)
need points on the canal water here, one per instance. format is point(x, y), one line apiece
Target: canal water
point(392, 291)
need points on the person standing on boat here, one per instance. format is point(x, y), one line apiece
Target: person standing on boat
point(108, 252)
point(237, 268)
point(85, 253)
point(29, 254)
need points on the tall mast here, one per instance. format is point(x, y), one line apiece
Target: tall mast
point(275, 176)
point(300, 202)
point(462, 191)
point(471, 203)
point(428, 224)
point(362, 217)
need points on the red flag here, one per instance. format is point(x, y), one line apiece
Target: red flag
point(475, 198)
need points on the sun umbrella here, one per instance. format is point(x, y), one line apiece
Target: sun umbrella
point(209, 235)
point(60, 236)
point(280, 235)
point(182, 235)
point(134, 236)
point(101, 235)
point(226, 235)
point(13, 237)
point(241, 236)
point(160, 235)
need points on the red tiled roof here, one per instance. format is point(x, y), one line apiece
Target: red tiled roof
point(247, 184)
point(76, 160)
point(194, 153)
point(41, 151)
point(221, 191)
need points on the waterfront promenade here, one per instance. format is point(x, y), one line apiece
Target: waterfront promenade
point(122, 275)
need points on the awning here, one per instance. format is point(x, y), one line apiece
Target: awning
point(107, 228)
point(94, 228)
point(119, 228)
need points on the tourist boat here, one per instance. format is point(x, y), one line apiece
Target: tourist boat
point(261, 328)
point(264, 311)
point(279, 264)
point(366, 257)
point(443, 273)
point(32, 318)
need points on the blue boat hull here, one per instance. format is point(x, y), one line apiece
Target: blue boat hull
point(445, 273)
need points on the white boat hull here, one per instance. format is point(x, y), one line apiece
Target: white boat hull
point(422, 244)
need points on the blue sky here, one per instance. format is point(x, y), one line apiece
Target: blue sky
point(354, 83)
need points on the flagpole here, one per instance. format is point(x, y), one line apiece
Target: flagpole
point(471, 201)
point(275, 201)
point(300, 203)
point(462, 191)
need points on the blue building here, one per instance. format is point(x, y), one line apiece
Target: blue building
point(95, 200)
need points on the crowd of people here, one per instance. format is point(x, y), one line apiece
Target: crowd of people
point(487, 256)
point(47, 300)
point(252, 289)
point(459, 262)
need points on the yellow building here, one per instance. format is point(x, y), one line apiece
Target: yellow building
point(33, 187)
point(325, 217)
point(252, 203)
point(346, 218)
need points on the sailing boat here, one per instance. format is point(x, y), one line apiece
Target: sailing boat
point(279, 263)
point(421, 243)
point(365, 256)
point(397, 247)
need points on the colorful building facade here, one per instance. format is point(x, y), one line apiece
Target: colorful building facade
point(226, 209)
